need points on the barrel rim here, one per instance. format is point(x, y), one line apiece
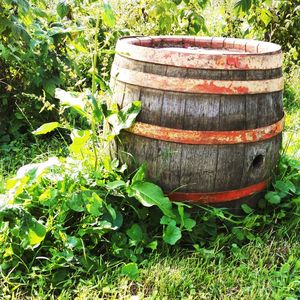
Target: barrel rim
point(215, 42)
point(249, 54)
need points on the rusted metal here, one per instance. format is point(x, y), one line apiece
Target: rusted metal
point(207, 137)
point(197, 86)
point(219, 197)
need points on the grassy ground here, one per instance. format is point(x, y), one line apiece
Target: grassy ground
point(263, 269)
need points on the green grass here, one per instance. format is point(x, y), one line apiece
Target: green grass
point(263, 269)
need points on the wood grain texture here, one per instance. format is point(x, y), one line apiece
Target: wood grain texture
point(201, 168)
point(159, 69)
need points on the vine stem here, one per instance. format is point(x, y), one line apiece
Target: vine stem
point(94, 63)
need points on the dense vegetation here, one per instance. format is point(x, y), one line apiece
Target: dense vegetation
point(73, 220)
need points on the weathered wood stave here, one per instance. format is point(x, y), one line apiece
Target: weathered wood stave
point(201, 168)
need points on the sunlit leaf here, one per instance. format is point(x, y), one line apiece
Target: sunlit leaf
point(108, 15)
point(67, 99)
point(150, 194)
point(36, 233)
point(131, 270)
point(46, 128)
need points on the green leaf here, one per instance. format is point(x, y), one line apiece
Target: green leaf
point(131, 270)
point(238, 233)
point(76, 203)
point(243, 5)
point(47, 127)
point(171, 234)
point(108, 15)
point(140, 174)
point(111, 211)
point(36, 233)
point(246, 208)
point(135, 233)
point(265, 16)
point(189, 224)
point(115, 184)
point(63, 9)
point(273, 198)
point(125, 117)
point(94, 207)
point(66, 99)
point(97, 112)
point(152, 245)
point(285, 186)
point(80, 138)
point(150, 194)
point(165, 220)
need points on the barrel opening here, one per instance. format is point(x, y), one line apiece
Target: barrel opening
point(258, 161)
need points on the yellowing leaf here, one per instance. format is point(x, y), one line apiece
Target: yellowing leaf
point(45, 128)
point(36, 233)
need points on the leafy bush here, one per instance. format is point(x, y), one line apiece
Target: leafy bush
point(44, 47)
point(165, 17)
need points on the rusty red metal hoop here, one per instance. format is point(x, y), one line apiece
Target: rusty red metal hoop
point(207, 137)
point(219, 197)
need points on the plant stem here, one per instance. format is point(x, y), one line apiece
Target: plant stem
point(94, 63)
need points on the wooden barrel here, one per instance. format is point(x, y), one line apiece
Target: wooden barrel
point(211, 120)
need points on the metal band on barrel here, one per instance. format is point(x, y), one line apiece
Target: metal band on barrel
point(207, 137)
point(197, 86)
point(219, 197)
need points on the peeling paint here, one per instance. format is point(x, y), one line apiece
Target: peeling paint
point(219, 197)
point(207, 137)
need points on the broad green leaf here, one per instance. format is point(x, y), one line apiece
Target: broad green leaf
point(80, 138)
point(189, 224)
point(150, 194)
point(266, 16)
point(67, 99)
point(108, 15)
point(171, 234)
point(165, 220)
point(243, 5)
point(273, 198)
point(36, 170)
point(36, 233)
point(131, 270)
point(115, 184)
point(94, 207)
point(62, 9)
point(285, 186)
point(238, 233)
point(125, 117)
point(135, 233)
point(76, 203)
point(47, 127)
point(140, 174)
point(152, 245)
